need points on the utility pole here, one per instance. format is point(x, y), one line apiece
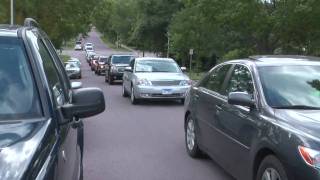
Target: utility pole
point(190, 65)
point(11, 12)
point(168, 50)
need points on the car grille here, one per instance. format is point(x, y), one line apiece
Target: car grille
point(121, 69)
point(166, 83)
point(167, 95)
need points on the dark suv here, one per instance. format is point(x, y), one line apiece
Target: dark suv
point(41, 135)
point(115, 66)
point(259, 118)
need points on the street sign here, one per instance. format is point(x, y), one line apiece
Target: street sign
point(191, 52)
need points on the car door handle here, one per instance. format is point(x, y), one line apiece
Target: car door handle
point(196, 97)
point(218, 109)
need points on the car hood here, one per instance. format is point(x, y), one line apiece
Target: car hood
point(305, 122)
point(18, 145)
point(162, 76)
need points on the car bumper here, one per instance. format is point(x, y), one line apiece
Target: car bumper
point(116, 75)
point(161, 92)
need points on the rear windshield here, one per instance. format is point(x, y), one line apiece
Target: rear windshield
point(103, 59)
point(121, 59)
point(78, 42)
point(19, 98)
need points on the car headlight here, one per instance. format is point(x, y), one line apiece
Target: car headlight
point(185, 83)
point(144, 82)
point(101, 66)
point(310, 156)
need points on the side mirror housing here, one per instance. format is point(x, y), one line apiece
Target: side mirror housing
point(241, 98)
point(128, 69)
point(86, 102)
point(183, 69)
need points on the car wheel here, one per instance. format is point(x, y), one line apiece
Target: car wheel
point(271, 169)
point(133, 99)
point(124, 92)
point(191, 138)
point(110, 79)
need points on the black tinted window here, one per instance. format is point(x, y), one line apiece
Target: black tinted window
point(240, 81)
point(52, 74)
point(18, 95)
point(215, 79)
point(121, 59)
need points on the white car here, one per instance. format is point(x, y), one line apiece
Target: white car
point(73, 70)
point(75, 60)
point(78, 45)
point(154, 78)
point(88, 46)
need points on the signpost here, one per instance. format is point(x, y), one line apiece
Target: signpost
point(190, 65)
point(11, 12)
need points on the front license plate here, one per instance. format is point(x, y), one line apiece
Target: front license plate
point(166, 91)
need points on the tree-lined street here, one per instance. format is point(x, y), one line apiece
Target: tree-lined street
point(141, 142)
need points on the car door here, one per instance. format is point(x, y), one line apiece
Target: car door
point(237, 124)
point(69, 154)
point(128, 75)
point(207, 96)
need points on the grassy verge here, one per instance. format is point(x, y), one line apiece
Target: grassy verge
point(64, 57)
point(111, 45)
point(195, 75)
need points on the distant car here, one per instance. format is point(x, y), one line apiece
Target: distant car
point(75, 60)
point(89, 55)
point(101, 68)
point(115, 67)
point(154, 78)
point(258, 118)
point(78, 45)
point(88, 46)
point(73, 70)
point(94, 62)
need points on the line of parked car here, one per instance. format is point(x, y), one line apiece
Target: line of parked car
point(258, 118)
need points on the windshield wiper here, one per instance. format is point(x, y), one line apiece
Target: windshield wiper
point(297, 107)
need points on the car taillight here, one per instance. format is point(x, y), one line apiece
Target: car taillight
point(310, 156)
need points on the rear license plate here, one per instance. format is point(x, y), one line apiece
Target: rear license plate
point(166, 91)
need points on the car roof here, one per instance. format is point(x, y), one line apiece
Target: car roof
point(9, 30)
point(279, 60)
point(153, 58)
point(122, 55)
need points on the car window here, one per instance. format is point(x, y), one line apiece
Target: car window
point(19, 98)
point(215, 79)
point(52, 74)
point(240, 81)
point(63, 74)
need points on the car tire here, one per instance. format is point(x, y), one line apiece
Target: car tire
point(124, 92)
point(110, 79)
point(271, 165)
point(133, 99)
point(191, 138)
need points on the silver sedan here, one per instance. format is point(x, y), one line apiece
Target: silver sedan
point(154, 78)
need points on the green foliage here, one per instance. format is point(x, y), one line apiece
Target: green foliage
point(60, 19)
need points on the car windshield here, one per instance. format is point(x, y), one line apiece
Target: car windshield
point(291, 87)
point(78, 43)
point(157, 66)
point(18, 95)
point(89, 48)
point(121, 59)
point(103, 59)
point(71, 65)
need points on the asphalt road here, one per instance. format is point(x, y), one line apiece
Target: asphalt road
point(141, 142)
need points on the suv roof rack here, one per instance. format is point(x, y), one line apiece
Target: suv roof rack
point(29, 22)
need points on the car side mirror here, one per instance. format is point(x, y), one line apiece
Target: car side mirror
point(76, 85)
point(128, 69)
point(86, 102)
point(183, 69)
point(241, 98)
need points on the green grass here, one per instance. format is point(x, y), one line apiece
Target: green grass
point(195, 75)
point(111, 45)
point(64, 57)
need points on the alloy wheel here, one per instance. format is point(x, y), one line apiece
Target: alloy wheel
point(190, 135)
point(270, 174)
